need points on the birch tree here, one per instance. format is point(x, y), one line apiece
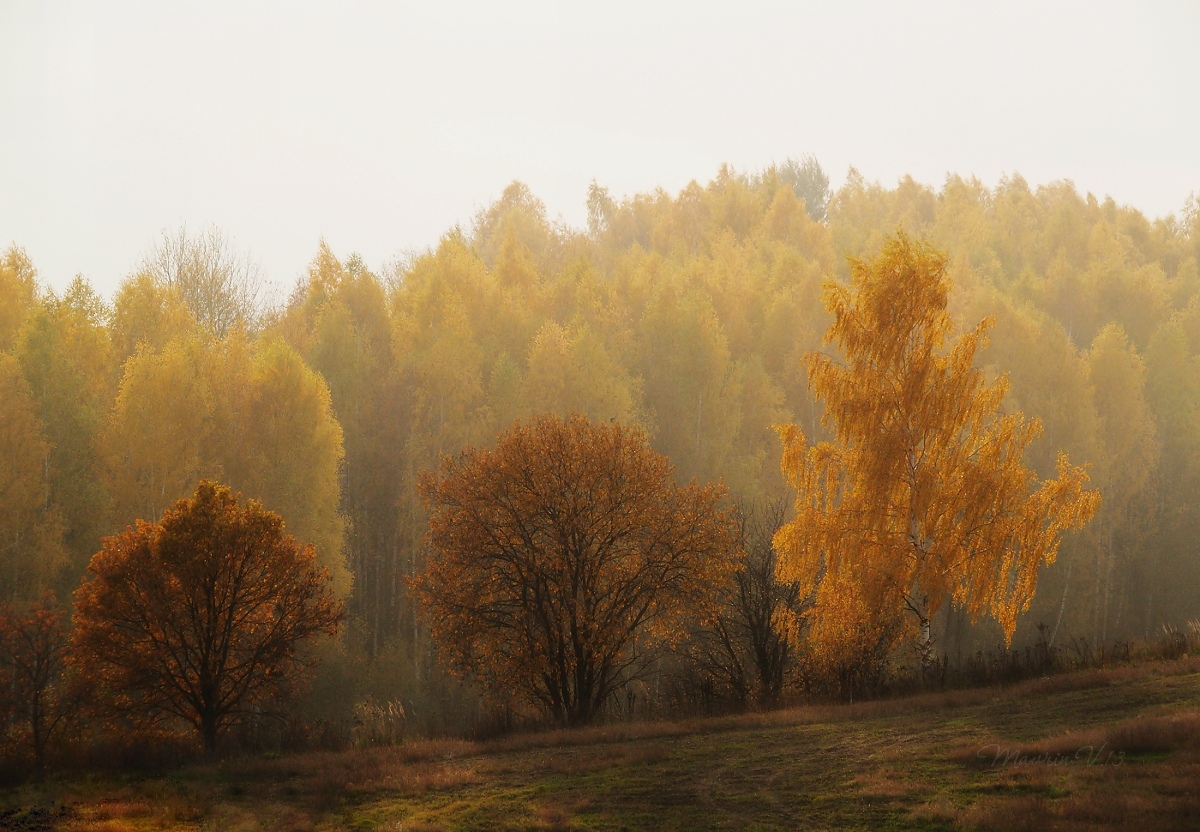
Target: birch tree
point(922, 496)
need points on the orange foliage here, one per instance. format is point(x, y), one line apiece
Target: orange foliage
point(562, 556)
point(33, 651)
point(201, 615)
point(923, 496)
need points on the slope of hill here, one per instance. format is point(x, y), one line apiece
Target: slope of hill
point(1095, 749)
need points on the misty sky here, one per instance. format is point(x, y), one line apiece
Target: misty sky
point(379, 127)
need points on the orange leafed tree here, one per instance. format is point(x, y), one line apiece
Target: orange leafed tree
point(201, 616)
point(922, 496)
point(34, 696)
point(558, 559)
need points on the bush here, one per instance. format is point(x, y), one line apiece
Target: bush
point(379, 723)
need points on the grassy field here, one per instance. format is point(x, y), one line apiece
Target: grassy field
point(1109, 749)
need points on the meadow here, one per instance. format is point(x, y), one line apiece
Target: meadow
point(1094, 749)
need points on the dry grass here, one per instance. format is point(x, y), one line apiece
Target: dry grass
point(109, 809)
point(1091, 809)
point(887, 782)
point(1097, 749)
point(1157, 734)
point(1140, 772)
point(101, 826)
point(1096, 746)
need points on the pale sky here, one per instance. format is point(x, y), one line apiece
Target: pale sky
point(381, 126)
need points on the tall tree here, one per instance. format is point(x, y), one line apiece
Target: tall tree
point(34, 643)
point(30, 529)
point(202, 616)
point(810, 183)
point(291, 451)
point(691, 386)
point(252, 414)
point(748, 646)
point(1173, 393)
point(338, 320)
point(66, 357)
point(159, 435)
point(571, 372)
point(221, 286)
point(147, 311)
point(558, 558)
point(922, 497)
point(1127, 432)
point(18, 294)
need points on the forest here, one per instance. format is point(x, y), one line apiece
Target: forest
point(685, 317)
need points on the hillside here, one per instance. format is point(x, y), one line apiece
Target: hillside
point(1095, 749)
point(686, 317)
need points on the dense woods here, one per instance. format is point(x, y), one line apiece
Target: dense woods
point(685, 316)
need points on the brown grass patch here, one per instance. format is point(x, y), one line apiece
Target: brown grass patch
point(593, 735)
point(1103, 746)
point(939, 811)
point(1092, 809)
point(112, 809)
point(893, 752)
point(354, 763)
point(1094, 779)
point(1156, 734)
point(886, 782)
point(417, 778)
point(107, 825)
point(293, 820)
point(594, 760)
point(552, 818)
point(754, 720)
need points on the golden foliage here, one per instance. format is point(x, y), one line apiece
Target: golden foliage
point(254, 415)
point(30, 532)
point(685, 312)
point(18, 294)
point(922, 496)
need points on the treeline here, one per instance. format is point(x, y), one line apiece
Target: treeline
point(685, 314)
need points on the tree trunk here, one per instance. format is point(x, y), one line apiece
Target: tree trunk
point(39, 740)
point(925, 645)
point(1062, 605)
point(1109, 560)
point(208, 732)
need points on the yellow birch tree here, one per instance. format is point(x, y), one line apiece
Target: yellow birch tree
point(922, 496)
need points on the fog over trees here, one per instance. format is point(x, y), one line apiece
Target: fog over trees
point(684, 316)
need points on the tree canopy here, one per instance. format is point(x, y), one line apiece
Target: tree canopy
point(562, 556)
point(203, 615)
point(922, 495)
point(685, 313)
